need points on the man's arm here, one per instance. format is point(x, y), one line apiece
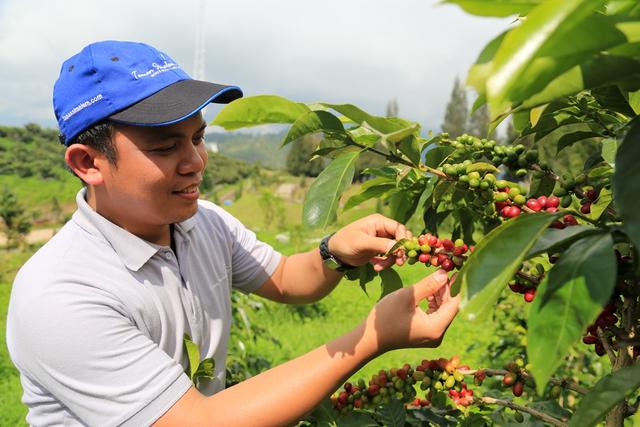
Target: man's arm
point(303, 278)
point(284, 394)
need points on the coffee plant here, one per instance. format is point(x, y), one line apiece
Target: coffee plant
point(562, 234)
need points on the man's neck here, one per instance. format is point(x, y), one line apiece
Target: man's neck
point(161, 235)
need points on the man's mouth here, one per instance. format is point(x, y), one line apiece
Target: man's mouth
point(189, 189)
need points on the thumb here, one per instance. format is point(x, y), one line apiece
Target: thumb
point(380, 245)
point(430, 285)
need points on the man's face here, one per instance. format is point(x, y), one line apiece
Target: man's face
point(155, 180)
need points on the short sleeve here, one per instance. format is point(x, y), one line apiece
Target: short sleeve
point(74, 341)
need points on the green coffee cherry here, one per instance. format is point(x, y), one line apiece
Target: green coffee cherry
point(501, 196)
point(521, 173)
point(474, 182)
point(566, 201)
point(519, 199)
point(513, 192)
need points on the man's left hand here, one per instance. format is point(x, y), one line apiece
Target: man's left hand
point(366, 239)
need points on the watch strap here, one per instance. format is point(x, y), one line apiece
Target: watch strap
point(329, 259)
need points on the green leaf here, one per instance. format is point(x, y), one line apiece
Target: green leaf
point(206, 370)
point(597, 71)
point(391, 281)
point(403, 205)
point(410, 147)
point(496, 258)
point(393, 414)
point(607, 392)
point(634, 101)
point(385, 125)
point(259, 110)
point(552, 240)
point(609, 149)
point(395, 247)
point(569, 298)
point(499, 8)
point(369, 193)
point(401, 134)
point(314, 122)
point(601, 204)
point(321, 202)
point(626, 182)
point(541, 185)
point(568, 139)
point(364, 274)
point(521, 46)
point(193, 354)
point(437, 155)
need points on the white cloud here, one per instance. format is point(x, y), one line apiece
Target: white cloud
point(355, 51)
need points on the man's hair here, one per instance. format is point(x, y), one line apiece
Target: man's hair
point(99, 137)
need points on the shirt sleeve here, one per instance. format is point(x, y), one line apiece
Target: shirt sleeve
point(74, 341)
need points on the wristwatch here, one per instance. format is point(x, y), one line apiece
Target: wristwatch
point(329, 260)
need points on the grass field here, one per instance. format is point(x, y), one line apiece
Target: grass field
point(343, 309)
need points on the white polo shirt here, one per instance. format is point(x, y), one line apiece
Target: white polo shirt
point(97, 316)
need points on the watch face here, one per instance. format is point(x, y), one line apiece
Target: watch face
point(331, 263)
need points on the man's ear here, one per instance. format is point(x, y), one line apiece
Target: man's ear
point(85, 162)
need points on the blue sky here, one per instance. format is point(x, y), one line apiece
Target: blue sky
point(358, 51)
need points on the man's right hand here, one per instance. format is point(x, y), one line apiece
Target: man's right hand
point(397, 321)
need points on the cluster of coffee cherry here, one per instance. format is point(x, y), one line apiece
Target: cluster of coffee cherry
point(433, 251)
point(608, 321)
point(431, 376)
point(515, 378)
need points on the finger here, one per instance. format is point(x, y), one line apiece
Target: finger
point(387, 227)
point(383, 262)
point(379, 245)
point(430, 285)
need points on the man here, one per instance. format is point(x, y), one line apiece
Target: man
point(97, 316)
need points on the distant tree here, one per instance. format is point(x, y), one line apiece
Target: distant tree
point(511, 133)
point(299, 161)
point(479, 121)
point(457, 113)
point(14, 216)
point(392, 108)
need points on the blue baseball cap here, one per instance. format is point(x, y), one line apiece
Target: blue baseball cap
point(130, 83)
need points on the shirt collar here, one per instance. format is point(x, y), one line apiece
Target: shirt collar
point(132, 250)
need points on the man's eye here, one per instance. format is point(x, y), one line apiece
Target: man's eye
point(198, 140)
point(163, 150)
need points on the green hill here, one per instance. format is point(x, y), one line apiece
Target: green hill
point(252, 148)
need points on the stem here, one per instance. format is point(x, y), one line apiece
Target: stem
point(615, 417)
point(532, 279)
point(390, 157)
point(540, 415)
point(605, 344)
point(564, 383)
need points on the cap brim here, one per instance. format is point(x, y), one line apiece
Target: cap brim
point(176, 103)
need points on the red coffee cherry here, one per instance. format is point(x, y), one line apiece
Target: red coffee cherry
point(448, 245)
point(447, 265)
point(534, 205)
point(553, 202)
point(529, 294)
point(570, 220)
point(518, 388)
point(591, 194)
point(543, 201)
point(589, 339)
point(586, 208)
point(424, 258)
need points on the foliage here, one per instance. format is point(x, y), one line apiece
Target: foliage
point(564, 88)
point(457, 111)
point(299, 157)
point(16, 220)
